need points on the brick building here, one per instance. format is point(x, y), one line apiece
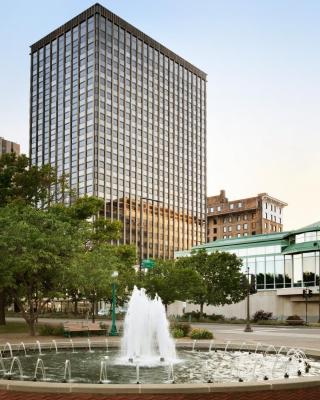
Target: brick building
point(250, 216)
point(8, 147)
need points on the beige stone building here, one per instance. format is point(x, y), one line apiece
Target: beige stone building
point(6, 146)
point(249, 216)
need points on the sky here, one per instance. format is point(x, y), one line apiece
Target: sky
point(263, 64)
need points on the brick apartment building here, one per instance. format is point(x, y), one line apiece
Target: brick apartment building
point(8, 147)
point(235, 218)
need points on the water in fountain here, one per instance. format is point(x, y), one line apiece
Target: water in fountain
point(8, 346)
point(2, 366)
point(67, 371)
point(54, 344)
point(22, 345)
point(38, 345)
point(104, 371)
point(39, 366)
point(16, 361)
point(146, 331)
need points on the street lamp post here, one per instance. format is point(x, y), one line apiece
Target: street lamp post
point(248, 326)
point(113, 330)
point(306, 294)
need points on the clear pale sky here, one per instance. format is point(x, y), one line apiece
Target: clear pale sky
point(263, 64)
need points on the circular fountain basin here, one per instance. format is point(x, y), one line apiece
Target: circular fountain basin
point(193, 370)
point(100, 365)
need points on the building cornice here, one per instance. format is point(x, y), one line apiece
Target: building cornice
point(99, 9)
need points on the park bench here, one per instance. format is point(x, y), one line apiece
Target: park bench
point(84, 328)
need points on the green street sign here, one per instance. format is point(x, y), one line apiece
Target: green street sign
point(148, 263)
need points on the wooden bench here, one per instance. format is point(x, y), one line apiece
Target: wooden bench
point(81, 328)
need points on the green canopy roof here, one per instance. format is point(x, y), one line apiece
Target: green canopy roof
point(301, 247)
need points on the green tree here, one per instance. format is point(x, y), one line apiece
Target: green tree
point(172, 282)
point(21, 183)
point(197, 262)
point(220, 273)
point(37, 247)
point(93, 270)
point(29, 184)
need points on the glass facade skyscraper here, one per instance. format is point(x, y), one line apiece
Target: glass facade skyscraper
point(125, 119)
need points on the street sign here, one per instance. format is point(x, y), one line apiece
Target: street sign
point(147, 263)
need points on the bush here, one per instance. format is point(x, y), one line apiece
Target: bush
point(262, 316)
point(216, 317)
point(294, 320)
point(201, 334)
point(193, 316)
point(51, 330)
point(177, 333)
point(103, 325)
point(185, 327)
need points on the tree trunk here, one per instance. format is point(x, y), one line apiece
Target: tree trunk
point(32, 328)
point(75, 306)
point(201, 309)
point(93, 311)
point(32, 317)
point(2, 307)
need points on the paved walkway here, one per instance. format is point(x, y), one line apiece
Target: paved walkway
point(301, 337)
point(277, 335)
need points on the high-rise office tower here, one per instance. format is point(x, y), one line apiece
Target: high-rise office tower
point(125, 118)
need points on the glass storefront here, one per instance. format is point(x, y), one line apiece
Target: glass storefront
point(280, 271)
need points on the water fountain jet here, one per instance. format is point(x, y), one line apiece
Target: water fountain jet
point(146, 331)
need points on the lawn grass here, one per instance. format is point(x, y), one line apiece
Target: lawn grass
point(14, 327)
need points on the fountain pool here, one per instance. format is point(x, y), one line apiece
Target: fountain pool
point(190, 366)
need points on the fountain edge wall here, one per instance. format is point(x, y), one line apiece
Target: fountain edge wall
point(297, 389)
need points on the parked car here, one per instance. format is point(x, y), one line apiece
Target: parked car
point(103, 312)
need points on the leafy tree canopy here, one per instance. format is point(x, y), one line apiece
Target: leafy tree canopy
point(172, 282)
point(221, 273)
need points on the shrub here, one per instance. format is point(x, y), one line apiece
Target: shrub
point(51, 330)
point(185, 327)
point(216, 317)
point(294, 320)
point(177, 333)
point(201, 334)
point(193, 315)
point(262, 316)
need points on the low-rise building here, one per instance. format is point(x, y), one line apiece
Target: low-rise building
point(236, 218)
point(283, 262)
point(6, 146)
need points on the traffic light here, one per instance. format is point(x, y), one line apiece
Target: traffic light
point(253, 285)
point(306, 293)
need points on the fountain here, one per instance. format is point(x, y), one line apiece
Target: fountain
point(67, 371)
point(38, 346)
point(22, 345)
point(146, 331)
point(15, 361)
point(103, 372)
point(54, 344)
point(8, 346)
point(39, 366)
point(148, 355)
